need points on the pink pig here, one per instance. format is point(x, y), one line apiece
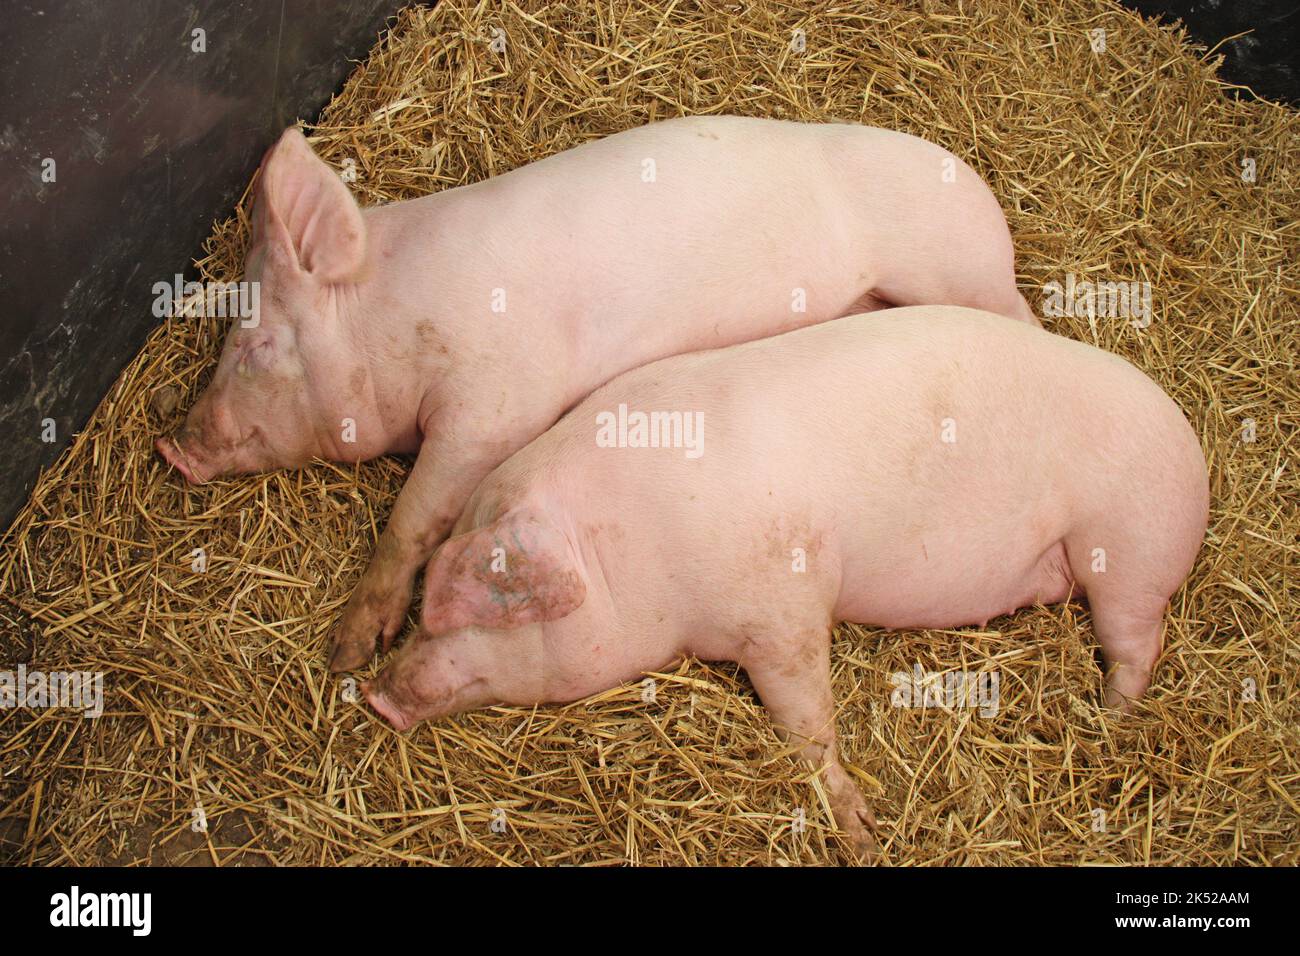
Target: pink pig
point(461, 325)
point(902, 470)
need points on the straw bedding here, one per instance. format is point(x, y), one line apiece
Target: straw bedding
point(1123, 165)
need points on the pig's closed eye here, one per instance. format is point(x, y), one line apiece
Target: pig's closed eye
point(255, 357)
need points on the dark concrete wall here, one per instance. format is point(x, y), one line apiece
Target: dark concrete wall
point(1267, 59)
point(151, 141)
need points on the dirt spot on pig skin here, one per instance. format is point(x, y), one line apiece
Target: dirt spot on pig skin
point(613, 532)
point(357, 381)
point(786, 534)
point(527, 588)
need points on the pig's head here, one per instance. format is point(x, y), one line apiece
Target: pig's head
point(274, 399)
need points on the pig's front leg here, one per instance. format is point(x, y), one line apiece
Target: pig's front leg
point(445, 475)
point(794, 683)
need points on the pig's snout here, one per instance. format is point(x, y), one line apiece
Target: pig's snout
point(173, 452)
point(201, 449)
point(385, 708)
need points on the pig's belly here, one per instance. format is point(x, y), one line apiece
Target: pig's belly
point(951, 585)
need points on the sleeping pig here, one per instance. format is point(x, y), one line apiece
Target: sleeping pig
point(459, 326)
point(924, 467)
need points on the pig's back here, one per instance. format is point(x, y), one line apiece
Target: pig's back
point(958, 450)
point(931, 460)
point(728, 216)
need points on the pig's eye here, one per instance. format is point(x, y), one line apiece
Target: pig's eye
point(255, 358)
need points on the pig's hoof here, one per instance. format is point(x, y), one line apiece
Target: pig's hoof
point(858, 826)
point(349, 655)
point(373, 614)
point(853, 816)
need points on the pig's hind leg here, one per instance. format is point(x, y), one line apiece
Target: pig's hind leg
point(793, 680)
point(1130, 635)
point(1127, 617)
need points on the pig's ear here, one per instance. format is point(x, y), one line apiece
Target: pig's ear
point(520, 569)
point(306, 205)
